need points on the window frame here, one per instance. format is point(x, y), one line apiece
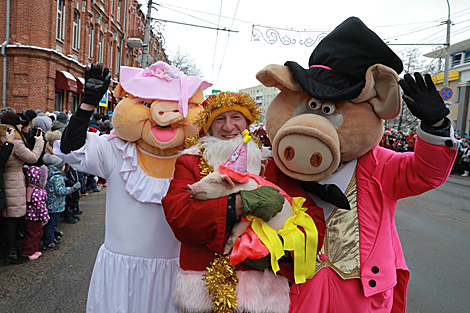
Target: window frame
point(60, 20)
point(76, 30)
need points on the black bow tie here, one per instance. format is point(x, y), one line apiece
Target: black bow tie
point(328, 192)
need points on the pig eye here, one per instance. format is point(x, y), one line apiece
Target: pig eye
point(147, 104)
point(328, 108)
point(212, 182)
point(314, 105)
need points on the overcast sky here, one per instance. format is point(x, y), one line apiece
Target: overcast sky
point(230, 60)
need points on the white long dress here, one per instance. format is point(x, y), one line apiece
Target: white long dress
point(136, 266)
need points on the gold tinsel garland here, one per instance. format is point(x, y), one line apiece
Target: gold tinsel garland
point(221, 283)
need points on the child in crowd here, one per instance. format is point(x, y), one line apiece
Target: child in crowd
point(72, 211)
point(36, 210)
point(56, 192)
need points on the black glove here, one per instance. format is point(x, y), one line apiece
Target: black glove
point(96, 83)
point(263, 202)
point(423, 99)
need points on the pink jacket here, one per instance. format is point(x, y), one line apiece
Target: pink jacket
point(383, 177)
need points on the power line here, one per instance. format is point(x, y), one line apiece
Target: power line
point(226, 44)
point(216, 39)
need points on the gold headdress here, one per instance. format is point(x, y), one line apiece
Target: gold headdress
point(226, 101)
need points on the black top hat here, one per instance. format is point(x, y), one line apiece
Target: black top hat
point(338, 64)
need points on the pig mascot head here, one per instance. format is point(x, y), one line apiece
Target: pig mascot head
point(333, 111)
point(157, 111)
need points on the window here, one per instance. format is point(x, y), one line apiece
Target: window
point(457, 98)
point(467, 57)
point(76, 30)
point(118, 57)
point(456, 59)
point(90, 41)
point(100, 48)
point(59, 96)
point(118, 12)
point(60, 19)
point(111, 55)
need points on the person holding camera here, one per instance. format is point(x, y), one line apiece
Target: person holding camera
point(15, 190)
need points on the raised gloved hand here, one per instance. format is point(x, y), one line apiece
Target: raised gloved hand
point(96, 83)
point(423, 99)
point(76, 186)
point(263, 202)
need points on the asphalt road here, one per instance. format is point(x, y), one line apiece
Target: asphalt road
point(434, 229)
point(58, 281)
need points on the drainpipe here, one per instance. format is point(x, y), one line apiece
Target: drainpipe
point(4, 45)
point(124, 25)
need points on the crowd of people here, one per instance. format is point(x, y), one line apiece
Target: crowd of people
point(401, 141)
point(38, 188)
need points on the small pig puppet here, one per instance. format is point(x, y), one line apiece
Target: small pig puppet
point(151, 124)
point(325, 126)
point(253, 239)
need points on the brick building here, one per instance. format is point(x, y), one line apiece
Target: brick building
point(49, 43)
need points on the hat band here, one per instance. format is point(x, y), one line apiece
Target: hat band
point(221, 110)
point(323, 66)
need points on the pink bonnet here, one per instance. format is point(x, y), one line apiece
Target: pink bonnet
point(161, 81)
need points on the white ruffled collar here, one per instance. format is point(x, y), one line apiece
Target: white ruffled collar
point(140, 185)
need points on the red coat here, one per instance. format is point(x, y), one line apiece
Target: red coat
point(199, 225)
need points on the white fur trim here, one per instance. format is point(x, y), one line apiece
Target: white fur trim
point(258, 292)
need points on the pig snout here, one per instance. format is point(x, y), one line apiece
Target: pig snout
point(311, 157)
point(196, 191)
point(307, 151)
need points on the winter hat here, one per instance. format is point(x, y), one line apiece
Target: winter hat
point(53, 160)
point(97, 116)
point(30, 114)
point(12, 119)
point(52, 116)
point(52, 136)
point(62, 117)
point(42, 122)
point(25, 120)
point(3, 111)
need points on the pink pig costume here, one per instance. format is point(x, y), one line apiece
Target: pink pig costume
point(136, 266)
point(382, 177)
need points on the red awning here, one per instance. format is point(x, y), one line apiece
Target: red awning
point(80, 85)
point(65, 81)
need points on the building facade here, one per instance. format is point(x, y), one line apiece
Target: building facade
point(263, 96)
point(458, 83)
point(46, 48)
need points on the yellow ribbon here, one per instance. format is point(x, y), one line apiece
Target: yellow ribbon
point(294, 240)
point(270, 239)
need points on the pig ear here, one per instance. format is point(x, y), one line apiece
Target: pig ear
point(228, 180)
point(119, 91)
point(381, 91)
point(278, 76)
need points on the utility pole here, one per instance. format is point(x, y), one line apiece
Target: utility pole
point(145, 51)
point(446, 66)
